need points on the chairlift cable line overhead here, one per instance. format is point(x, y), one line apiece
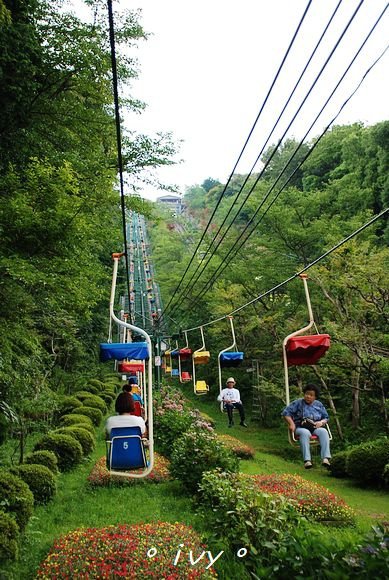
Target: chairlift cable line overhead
point(234, 249)
point(240, 154)
point(204, 266)
point(297, 274)
point(279, 142)
point(118, 138)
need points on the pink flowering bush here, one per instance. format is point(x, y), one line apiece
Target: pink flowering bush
point(173, 417)
point(237, 447)
point(100, 476)
point(124, 551)
point(311, 499)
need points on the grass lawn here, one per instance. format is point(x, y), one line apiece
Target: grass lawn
point(77, 505)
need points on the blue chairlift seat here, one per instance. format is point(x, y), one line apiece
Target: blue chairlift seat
point(124, 350)
point(231, 359)
point(175, 373)
point(125, 449)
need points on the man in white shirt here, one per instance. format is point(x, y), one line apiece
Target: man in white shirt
point(231, 400)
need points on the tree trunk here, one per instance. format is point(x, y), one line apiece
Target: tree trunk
point(356, 411)
point(330, 402)
point(384, 408)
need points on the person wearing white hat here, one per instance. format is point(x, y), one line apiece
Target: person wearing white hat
point(231, 400)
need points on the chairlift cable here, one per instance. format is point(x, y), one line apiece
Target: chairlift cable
point(204, 266)
point(235, 249)
point(240, 155)
point(118, 138)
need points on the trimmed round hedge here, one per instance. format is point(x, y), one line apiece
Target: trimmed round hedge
point(91, 389)
point(66, 448)
point(94, 414)
point(39, 479)
point(9, 536)
point(83, 436)
point(367, 461)
point(76, 419)
point(16, 497)
point(67, 404)
point(43, 457)
point(107, 397)
point(96, 402)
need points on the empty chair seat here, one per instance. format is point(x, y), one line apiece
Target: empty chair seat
point(185, 376)
point(201, 388)
point(231, 359)
point(202, 357)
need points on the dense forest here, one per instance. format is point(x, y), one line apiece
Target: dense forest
point(60, 214)
point(340, 186)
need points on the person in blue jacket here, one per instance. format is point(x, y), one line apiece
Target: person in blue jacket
point(314, 411)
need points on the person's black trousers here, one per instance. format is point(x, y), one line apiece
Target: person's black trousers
point(231, 406)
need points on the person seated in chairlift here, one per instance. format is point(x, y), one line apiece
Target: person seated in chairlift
point(133, 388)
point(231, 400)
point(314, 411)
point(124, 406)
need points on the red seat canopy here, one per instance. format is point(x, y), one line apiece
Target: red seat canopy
point(131, 367)
point(307, 350)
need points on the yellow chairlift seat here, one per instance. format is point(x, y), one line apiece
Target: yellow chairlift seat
point(201, 388)
point(201, 357)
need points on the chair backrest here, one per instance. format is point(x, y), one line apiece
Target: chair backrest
point(137, 409)
point(125, 449)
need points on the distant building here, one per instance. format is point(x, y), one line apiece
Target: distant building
point(174, 202)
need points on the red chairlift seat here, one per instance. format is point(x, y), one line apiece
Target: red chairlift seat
point(185, 376)
point(185, 353)
point(307, 350)
point(131, 367)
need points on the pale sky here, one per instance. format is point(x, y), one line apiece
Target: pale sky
point(208, 65)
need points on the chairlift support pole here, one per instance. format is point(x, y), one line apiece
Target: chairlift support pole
point(233, 345)
point(304, 278)
point(126, 325)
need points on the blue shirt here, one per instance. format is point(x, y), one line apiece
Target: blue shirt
point(299, 409)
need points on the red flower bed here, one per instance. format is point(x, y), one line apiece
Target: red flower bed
point(237, 447)
point(312, 500)
point(138, 551)
point(100, 476)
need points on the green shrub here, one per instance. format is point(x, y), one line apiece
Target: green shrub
point(244, 517)
point(66, 448)
point(84, 437)
point(367, 461)
point(44, 457)
point(67, 405)
point(107, 397)
point(39, 479)
point(169, 426)
point(96, 402)
point(16, 498)
point(91, 389)
point(96, 383)
point(196, 452)
point(94, 414)
point(338, 464)
point(9, 536)
point(76, 419)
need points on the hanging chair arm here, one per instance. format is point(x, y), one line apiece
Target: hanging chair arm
point(143, 333)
